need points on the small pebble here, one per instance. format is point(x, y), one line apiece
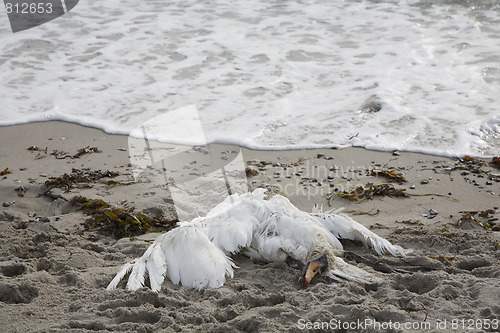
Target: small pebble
point(276, 165)
point(6, 204)
point(412, 187)
point(396, 153)
point(433, 212)
point(489, 183)
point(425, 181)
point(21, 189)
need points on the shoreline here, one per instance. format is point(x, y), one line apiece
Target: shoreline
point(422, 151)
point(56, 271)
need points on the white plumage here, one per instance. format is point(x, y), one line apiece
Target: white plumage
point(197, 253)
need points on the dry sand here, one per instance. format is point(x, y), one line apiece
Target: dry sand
point(53, 274)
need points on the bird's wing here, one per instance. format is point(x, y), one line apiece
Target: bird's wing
point(185, 255)
point(195, 253)
point(232, 229)
point(343, 226)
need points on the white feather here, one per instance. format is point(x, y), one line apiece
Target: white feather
point(119, 276)
point(138, 275)
point(343, 226)
point(156, 266)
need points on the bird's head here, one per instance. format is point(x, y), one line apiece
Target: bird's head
point(314, 267)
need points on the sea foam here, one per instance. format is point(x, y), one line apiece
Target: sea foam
point(409, 75)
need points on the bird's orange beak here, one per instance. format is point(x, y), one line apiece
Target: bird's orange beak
point(313, 268)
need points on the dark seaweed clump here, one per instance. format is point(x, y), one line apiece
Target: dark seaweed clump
point(116, 221)
point(361, 193)
point(67, 181)
point(474, 164)
point(61, 155)
point(388, 174)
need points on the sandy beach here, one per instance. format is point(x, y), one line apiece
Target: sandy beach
point(54, 267)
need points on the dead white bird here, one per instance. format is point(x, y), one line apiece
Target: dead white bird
point(197, 253)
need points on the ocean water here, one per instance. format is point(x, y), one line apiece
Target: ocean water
point(412, 75)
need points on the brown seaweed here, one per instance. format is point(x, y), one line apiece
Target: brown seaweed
point(442, 259)
point(118, 222)
point(6, 171)
point(433, 195)
point(60, 155)
point(495, 162)
point(388, 174)
point(362, 193)
point(360, 212)
point(67, 181)
point(251, 171)
point(474, 165)
point(483, 219)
